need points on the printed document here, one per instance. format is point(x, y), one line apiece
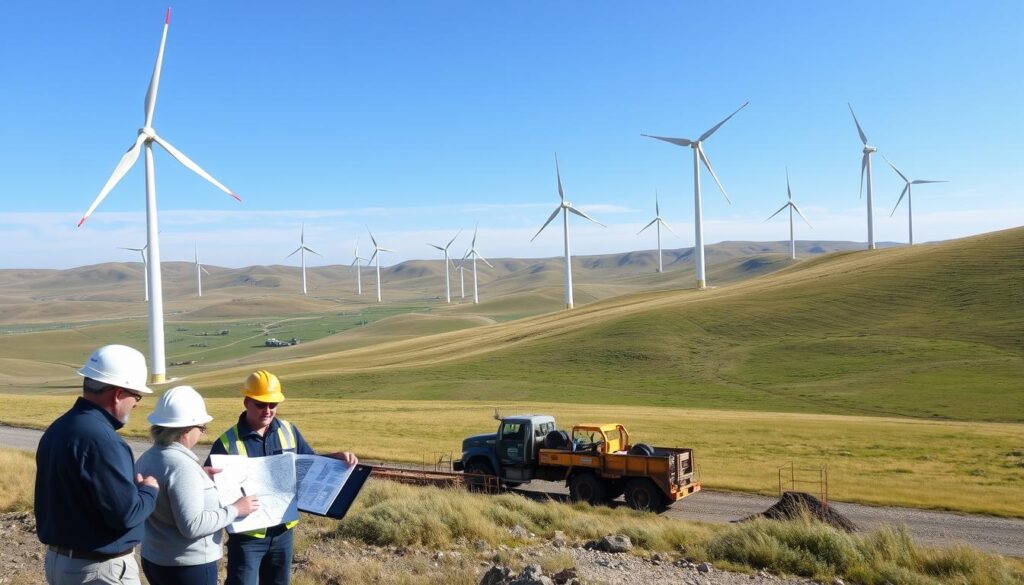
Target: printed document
point(271, 479)
point(320, 480)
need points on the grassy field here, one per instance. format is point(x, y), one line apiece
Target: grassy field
point(947, 465)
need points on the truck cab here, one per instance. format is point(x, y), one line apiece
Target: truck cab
point(511, 454)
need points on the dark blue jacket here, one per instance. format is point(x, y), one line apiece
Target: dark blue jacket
point(86, 495)
point(261, 446)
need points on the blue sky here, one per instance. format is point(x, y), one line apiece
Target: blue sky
point(418, 119)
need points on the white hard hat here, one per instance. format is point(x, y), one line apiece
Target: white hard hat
point(117, 365)
point(179, 407)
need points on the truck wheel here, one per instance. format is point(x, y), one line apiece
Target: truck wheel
point(586, 487)
point(474, 475)
point(643, 494)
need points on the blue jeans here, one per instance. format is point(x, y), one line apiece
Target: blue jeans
point(260, 561)
point(180, 575)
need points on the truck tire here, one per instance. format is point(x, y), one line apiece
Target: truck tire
point(643, 494)
point(586, 487)
point(475, 470)
point(642, 449)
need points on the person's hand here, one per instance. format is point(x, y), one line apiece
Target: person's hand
point(148, 481)
point(212, 471)
point(246, 505)
point(346, 456)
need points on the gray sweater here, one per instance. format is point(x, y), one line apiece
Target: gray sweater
point(185, 528)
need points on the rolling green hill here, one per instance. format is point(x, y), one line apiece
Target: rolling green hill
point(930, 331)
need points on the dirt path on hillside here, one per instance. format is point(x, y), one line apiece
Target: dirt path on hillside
point(930, 528)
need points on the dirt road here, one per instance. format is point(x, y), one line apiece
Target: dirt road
point(942, 529)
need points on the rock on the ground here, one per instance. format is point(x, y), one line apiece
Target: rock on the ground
point(519, 533)
point(615, 543)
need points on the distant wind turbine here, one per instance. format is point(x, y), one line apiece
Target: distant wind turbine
point(461, 269)
point(475, 254)
point(698, 218)
point(447, 286)
point(301, 251)
point(145, 266)
point(376, 255)
point(792, 207)
point(200, 269)
point(359, 269)
point(565, 208)
point(658, 222)
point(147, 136)
point(906, 191)
point(865, 166)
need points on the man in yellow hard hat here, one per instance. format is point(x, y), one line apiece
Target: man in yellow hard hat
point(263, 556)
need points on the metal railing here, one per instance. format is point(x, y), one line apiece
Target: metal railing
point(805, 478)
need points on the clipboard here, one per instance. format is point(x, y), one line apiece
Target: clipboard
point(348, 493)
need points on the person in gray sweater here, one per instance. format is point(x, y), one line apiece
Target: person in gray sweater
point(182, 540)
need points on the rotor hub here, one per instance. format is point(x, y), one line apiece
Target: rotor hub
point(869, 149)
point(148, 132)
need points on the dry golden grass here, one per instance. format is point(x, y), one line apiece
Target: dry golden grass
point(17, 482)
point(871, 460)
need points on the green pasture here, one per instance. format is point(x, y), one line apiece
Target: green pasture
point(947, 465)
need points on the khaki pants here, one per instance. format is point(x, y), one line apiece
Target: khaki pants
point(61, 570)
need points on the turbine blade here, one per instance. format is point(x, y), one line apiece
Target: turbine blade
point(191, 165)
point(385, 250)
point(558, 174)
point(435, 246)
point(778, 212)
point(923, 181)
point(715, 128)
point(311, 250)
point(203, 268)
point(863, 168)
point(475, 228)
point(902, 176)
point(371, 236)
point(801, 214)
point(665, 223)
point(584, 215)
point(707, 164)
point(657, 208)
point(452, 241)
point(860, 131)
point(788, 190)
point(293, 253)
point(653, 221)
point(372, 256)
point(154, 80)
point(123, 166)
point(900, 200)
point(553, 215)
point(676, 141)
point(484, 260)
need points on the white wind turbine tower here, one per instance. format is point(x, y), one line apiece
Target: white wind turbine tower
point(565, 208)
point(906, 191)
point(865, 165)
point(447, 286)
point(792, 207)
point(698, 219)
point(359, 269)
point(145, 269)
point(199, 270)
point(461, 269)
point(473, 252)
point(658, 222)
point(147, 136)
point(376, 254)
point(301, 251)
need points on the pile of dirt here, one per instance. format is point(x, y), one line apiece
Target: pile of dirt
point(794, 505)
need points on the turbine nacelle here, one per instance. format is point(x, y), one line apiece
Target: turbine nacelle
point(869, 149)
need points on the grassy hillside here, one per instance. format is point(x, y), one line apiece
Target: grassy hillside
point(929, 331)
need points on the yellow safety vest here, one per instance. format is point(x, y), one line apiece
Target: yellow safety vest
point(233, 445)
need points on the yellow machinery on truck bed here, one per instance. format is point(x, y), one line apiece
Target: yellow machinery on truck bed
point(597, 462)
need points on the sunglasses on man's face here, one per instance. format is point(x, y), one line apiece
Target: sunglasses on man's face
point(262, 405)
point(137, 397)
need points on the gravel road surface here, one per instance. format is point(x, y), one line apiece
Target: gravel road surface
point(942, 529)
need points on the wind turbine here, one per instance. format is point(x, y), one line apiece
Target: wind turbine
point(461, 269)
point(658, 222)
point(906, 191)
point(865, 165)
point(698, 220)
point(301, 251)
point(145, 266)
point(199, 270)
point(792, 207)
point(376, 254)
point(473, 252)
point(565, 208)
point(447, 287)
point(359, 270)
point(147, 136)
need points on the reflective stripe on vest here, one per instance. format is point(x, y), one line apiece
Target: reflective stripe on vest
point(234, 446)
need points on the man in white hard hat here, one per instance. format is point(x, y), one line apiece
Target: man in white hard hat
point(90, 505)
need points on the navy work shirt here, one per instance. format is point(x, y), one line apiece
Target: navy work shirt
point(86, 495)
point(261, 446)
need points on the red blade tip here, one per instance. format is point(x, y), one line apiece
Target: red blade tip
point(167, 19)
point(237, 198)
point(81, 221)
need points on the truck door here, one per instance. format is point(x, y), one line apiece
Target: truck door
point(512, 443)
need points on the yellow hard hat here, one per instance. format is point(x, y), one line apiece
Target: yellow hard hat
point(263, 386)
